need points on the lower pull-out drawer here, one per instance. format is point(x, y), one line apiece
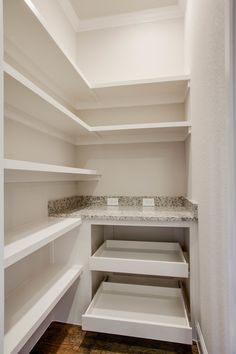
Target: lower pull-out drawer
point(139, 311)
point(138, 257)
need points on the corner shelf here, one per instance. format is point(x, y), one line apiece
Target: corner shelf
point(29, 304)
point(26, 171)
point(74, 86)
point(21, 243)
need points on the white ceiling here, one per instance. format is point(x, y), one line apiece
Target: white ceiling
point(90, 9)
point(87, 15)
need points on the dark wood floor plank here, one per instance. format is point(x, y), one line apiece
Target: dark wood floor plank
point(61, 338)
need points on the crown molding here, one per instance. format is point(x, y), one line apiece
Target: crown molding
point(132, 18)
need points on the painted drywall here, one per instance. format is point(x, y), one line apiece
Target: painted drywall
point(132, 52)
point(1, 186)
point(129, 115)
point(134, 169)
point(208, 164)
point(24, 143)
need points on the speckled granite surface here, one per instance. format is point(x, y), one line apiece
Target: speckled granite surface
point(129, 209)
point(61, 338)
point(131, 214)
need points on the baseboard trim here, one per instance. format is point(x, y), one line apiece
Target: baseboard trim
point(201, 342)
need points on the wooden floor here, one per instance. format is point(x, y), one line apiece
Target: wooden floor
point(62, 338)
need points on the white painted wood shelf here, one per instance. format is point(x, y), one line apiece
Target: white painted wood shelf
point(43, 60)
point(163, 90)
point(150, 258)
point(29, 304)
point(133, 133)
point(21, 243)
point(74, 87)
point(26, 171)
point(29, 104)
point(139, 311)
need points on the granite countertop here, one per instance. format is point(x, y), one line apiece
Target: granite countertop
point(131, 213)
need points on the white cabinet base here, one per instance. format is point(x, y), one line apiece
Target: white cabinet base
point(139, 311)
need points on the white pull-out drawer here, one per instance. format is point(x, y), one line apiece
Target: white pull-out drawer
point(139, 311)
point(135, 257)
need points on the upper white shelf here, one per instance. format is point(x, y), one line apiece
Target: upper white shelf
point(133, 133)
point(161, 90)
point(27, 102)
point(21, 243)
point(47, 64)
point(26, 171)
point(28, 305)
point(38, 54)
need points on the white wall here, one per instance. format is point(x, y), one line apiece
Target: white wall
point(132, 52)
point(1, 187)
point(27, 202)
point(134, 169)
point(25, 143)
point(205, 30)
point(129, 115)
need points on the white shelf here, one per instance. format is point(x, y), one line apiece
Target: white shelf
point(140, 92)
point(27, 102)
point(26, 171)
point(139, 311)
point(133, 133)
point(51, 68)
point(28, 305)
point(43, 59)
point(150, 258)
point(21, 243)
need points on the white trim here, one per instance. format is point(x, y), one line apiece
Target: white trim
point(230, 50)
point(125, 19)
point(201, 342)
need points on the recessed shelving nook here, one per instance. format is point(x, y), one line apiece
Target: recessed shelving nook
point(125, 277)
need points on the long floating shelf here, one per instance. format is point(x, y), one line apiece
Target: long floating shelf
point(44, 59)
point(26, 171)
point(21, 243)
point(23, 316)
point(134, 133)
point(25, 100)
